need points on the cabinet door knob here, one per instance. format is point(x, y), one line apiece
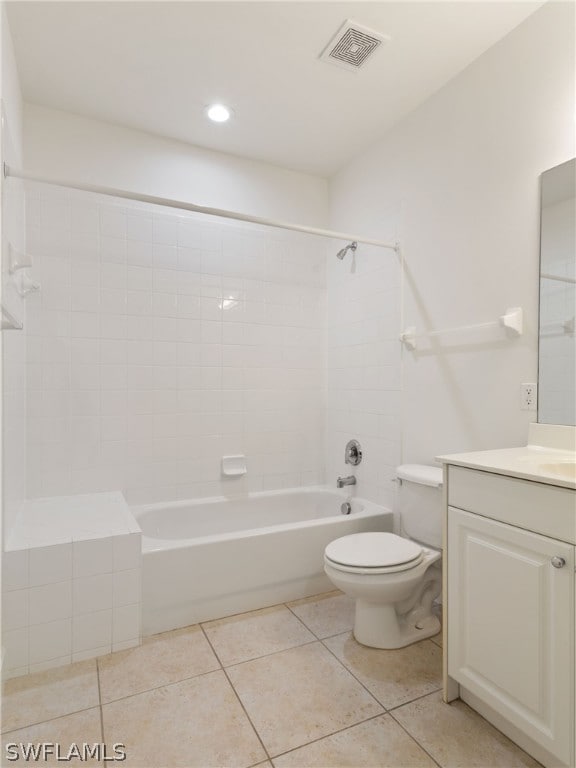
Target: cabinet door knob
point(558, 562)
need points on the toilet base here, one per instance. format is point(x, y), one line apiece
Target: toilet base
point(378, 626)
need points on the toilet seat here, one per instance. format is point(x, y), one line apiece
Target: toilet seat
point(373, 553)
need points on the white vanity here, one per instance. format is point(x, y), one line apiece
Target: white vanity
point(509, 589)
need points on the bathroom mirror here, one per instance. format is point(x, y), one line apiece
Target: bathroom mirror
point(557, 337)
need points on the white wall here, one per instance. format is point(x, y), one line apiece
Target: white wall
point(69, 147)
point(462, 173)
point(13, 342)
point(11, 94)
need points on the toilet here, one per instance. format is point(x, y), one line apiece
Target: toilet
point(395, 579)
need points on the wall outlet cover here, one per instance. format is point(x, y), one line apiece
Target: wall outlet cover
point(528, 397)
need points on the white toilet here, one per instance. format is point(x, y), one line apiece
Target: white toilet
point(395, 579)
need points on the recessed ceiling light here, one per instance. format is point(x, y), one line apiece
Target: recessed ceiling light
point(218, 113)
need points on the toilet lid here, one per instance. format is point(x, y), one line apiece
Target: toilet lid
point(372, 550)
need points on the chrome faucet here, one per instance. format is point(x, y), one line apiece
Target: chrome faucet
point(342, 481)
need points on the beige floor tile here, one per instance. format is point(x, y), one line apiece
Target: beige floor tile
point(77, 729)
point(458, 737)
point(250, 635)
point(46, 695)
point(326, 615)
point(437, 610)
point(378, 742)
point(198, 722)
point(160, 660)
point(299, 695)
point(437, 639)
point(394, 677)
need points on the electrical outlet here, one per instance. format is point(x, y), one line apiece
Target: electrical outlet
point(528, 397)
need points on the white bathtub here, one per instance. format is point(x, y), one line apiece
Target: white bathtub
point(211, 558)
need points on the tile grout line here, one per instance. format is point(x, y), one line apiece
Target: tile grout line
point(272, 653)
point(49, 720)
point(311, 642)
point(257, 610)
point(387, 710)
point(223, 669)
point(416, 698)
point(301, 621)
point(237, 695)
point(329, 735)
point(202, 674)
point(100, 699)
point(164, 685)
point(353, 675)
point(422, 747)
point(381, 714)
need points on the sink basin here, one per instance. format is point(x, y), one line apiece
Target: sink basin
point(563, 469)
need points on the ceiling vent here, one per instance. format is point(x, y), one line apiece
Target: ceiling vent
point(352, 45)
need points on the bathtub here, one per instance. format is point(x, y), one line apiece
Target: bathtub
point(210, 558)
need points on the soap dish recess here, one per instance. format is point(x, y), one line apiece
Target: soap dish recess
point(233, 466)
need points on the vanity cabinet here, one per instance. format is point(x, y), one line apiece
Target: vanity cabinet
point(511, 606)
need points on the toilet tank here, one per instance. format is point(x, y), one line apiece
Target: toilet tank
point(420, 503)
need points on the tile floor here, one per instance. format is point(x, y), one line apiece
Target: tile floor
point(282, 687)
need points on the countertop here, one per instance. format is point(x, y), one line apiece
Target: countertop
point(539, 464)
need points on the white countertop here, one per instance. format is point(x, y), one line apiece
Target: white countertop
point(62, 519)
point(540, 464)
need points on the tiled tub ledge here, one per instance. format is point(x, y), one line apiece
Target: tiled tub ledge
point(71, 582)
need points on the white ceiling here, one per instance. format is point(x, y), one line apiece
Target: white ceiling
point(155, 65)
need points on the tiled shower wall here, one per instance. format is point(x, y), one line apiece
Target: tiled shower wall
point(161, 342)
point(363, 399)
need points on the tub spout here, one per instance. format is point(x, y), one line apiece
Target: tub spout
point(342, 481)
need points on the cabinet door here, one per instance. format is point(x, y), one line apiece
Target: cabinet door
point(511, 625)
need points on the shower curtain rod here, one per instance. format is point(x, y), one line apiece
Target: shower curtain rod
point(111, 192)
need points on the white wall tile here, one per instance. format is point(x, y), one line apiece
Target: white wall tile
point(9, 674)
point(91, 631)
point(139, 227)
point(92, 593)
point(52, 640)
point(50, 602)
point(127, 552)
point(15, 613)
point(16, 648)
point(145, 338)
point(42, 666)
point(84, 217)
point(125, 645)
point(126, 623)
point(127, 587)
point(49, 565)
point(92, 558)
point(15, 572)
point(92, 653)
point(84, 325)
point(165, 230)
point(112, 222)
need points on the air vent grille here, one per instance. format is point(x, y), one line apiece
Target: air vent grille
point(352, 45)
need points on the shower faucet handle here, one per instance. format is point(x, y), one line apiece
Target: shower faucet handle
point(353, 453)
